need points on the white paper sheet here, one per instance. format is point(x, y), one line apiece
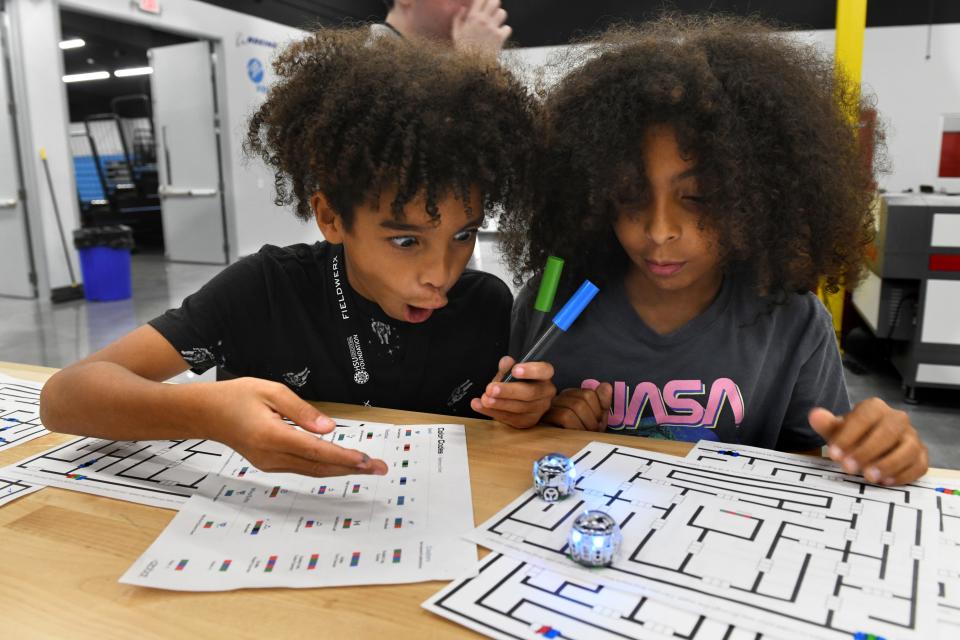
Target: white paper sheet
point(248, 529)
point(508, 598)
point(807, 470)
point(11, 489)
point(159, 473)
point(815, 562)
point(19, 411)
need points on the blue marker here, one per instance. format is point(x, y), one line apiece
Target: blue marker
point(560, 323)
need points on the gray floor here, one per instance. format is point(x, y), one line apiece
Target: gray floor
point(56, 335)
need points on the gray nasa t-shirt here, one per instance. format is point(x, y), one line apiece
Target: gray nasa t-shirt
point(742, 372)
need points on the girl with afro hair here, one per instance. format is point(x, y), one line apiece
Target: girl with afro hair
point(704, 172)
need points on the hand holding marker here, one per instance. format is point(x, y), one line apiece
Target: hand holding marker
point(564, 318)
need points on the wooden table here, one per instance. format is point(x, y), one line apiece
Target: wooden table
point(63, 551)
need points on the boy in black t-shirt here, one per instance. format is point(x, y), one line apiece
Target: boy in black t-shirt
point(398, 153)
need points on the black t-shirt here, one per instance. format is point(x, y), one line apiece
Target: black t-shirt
point(288, 314)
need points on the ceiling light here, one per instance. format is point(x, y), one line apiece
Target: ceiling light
point(74, 43)
point(133, 71)
point(83, 77)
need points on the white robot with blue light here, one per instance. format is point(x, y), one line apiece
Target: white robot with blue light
point(553, 477)
point(594, 539)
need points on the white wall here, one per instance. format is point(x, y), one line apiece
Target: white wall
point(37, 67)
point(533, 64)
point(253, 220)
point(912, 92)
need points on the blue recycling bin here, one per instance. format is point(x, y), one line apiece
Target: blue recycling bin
point(105, 261)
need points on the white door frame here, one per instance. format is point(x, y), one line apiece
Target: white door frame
point(181, 244)
point(21, 191)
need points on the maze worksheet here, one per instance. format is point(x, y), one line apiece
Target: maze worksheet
point(510, 598)
point(755, 551)
point(247, 528)
point(11, 489)
point(19, 411)
point(807, 470)
point(160, 473)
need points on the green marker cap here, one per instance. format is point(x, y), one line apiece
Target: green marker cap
point(549, 284)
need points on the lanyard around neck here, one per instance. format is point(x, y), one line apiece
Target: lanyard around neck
point(349, 326)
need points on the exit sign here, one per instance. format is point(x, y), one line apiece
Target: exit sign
point(149, 6)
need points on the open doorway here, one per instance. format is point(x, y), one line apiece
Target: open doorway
point(144, 135)
point(111, 123)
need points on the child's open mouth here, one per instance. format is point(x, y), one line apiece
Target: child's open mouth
point(416, 314)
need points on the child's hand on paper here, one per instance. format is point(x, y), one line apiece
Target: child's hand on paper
point(581, 408)
point(874, 439)
point(247, 415)
point(518, 404)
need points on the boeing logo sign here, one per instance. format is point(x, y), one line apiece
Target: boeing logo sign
point(243, 40)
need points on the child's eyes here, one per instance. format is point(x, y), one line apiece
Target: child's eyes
point(464, 236)
point(403, 242)
point(408, 242)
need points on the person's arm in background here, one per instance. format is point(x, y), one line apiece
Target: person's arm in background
point(481, 27)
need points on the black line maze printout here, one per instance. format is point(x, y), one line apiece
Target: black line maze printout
point(806, 470)
point(759, 552)
point(19, 411)
point(19, 423)
point(11, 489)
point(160, 473)
point(510, 598)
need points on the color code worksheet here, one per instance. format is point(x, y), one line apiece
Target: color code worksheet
point(246, 528)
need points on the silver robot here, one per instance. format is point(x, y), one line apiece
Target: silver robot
point(553, 477)
point(594, 539)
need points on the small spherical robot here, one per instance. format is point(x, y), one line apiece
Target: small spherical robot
point(553, 477)
point(594, 539)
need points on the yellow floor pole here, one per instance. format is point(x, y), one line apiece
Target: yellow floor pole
point(848, 62)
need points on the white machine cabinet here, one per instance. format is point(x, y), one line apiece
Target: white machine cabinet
point(911, 294)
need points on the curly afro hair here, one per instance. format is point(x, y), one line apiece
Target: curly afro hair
point(352, 116)
point(786, 185)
